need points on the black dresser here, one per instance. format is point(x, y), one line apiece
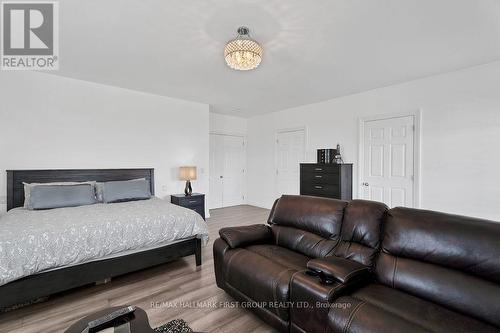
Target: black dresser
point(326, 180)
point(196, 202)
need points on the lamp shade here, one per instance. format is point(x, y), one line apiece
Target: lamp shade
point(187, 173)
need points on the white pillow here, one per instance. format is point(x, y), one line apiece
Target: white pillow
point(29, 186)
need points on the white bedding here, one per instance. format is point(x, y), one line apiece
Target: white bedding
point(35, 241)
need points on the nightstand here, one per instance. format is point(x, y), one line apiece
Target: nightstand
point(195, 201)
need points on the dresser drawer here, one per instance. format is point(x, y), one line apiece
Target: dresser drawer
point(321, 178)
point(323, 190)
point(200, 210)
point(320, 169)
point(191, 201)
point(326, 180)
point(194, 202)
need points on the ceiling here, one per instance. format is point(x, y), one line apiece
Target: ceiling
point(313, 50)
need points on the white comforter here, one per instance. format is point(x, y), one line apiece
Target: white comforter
point(34, 241)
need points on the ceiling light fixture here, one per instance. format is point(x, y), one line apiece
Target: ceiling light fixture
point(243, 53)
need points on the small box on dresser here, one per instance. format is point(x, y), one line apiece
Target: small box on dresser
point(195, 201)
point(326, 180)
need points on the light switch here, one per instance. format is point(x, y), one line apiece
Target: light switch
point(164, 188)
point(3, 200)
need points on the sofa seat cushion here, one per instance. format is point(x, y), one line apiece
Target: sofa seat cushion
point(263, 274)
point(281, 255)
point(377, 308)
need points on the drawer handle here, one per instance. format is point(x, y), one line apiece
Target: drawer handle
point(318, 176)
point(318, 187)
point(193, 201)
point(318, 169)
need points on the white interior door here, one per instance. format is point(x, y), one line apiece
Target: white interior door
point(216, 171)
point(388, 161)
point(227, 170)
point(290, 152)
point(234, 171)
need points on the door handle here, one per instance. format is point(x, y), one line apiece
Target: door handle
point(365, 184)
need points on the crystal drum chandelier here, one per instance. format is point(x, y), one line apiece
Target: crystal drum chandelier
point(243, 53)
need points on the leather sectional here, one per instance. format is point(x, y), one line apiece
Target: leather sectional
point(325, 265)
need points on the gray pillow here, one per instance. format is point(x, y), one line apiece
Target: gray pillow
point(29, 186)
point(128, 190)
point(99, 186)
point(98, 191)
point(58, 196)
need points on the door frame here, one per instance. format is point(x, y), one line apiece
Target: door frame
point(244, 190)
point(278, 132)
point(417, 120)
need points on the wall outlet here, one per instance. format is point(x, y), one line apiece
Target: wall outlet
point(164, 188)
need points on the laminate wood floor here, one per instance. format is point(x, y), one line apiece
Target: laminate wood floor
point(177, 290)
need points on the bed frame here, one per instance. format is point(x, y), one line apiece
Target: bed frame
point(44, 284)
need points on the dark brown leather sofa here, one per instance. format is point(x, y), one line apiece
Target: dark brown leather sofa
point(324, 265)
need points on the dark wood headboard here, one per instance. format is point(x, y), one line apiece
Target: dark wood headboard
point(15, 179)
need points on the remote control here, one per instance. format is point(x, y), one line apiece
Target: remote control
point(94, 324)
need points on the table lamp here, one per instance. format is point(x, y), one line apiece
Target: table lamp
point(188, 173)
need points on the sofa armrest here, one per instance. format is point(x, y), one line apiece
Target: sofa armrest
point(312, 299)
point(342, 270)
point(246, 235)
point(313, 294)
point(220, 251)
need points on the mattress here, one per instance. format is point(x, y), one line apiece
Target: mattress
point(32, 242)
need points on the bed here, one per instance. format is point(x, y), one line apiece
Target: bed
point(161, 233)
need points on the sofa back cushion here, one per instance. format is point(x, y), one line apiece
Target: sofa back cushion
point(361, 231)
point(308, 225)
point(447, 259)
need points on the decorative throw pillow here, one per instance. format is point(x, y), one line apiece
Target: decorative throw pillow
point(99, 186)
point(29, 186)
point(128, 190)
point(59, 196)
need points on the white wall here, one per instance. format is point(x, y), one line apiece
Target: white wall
point(224, 124)
point(460, 137)
point(47, 121)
